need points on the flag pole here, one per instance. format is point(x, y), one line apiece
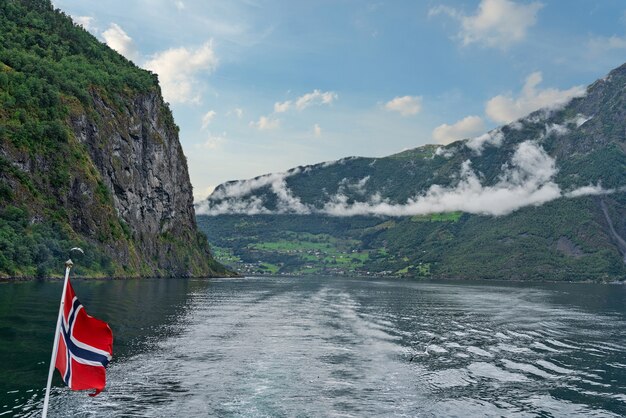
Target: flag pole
point(55, 345)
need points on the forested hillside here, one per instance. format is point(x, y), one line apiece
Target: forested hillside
point(541, 198)
point(89, 157)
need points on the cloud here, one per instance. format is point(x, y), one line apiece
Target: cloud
point(227, 198)
point(405, 105)
point(317, 131)
point(496, 23)
point(208, 118)
point(589, 191)
point(282, 107)
point(464, 128)
point(357, 186)
point(477, 144)
point(178, 69)
point(526, 180)
point(445, 152)
point(117, 39)
point(87, 22)
point(506, 108)
point(316, 97)
point(179, 5)
point(214, 141)
point(265, 124)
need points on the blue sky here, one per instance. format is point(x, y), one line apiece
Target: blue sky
point(263, 86)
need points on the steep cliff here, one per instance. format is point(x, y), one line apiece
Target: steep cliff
point(89, 156)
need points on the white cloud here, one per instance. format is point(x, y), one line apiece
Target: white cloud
point(357, 186)
point(496, 23)
point(499, 22)
point(445, 152)
point(178, 69)
point(477, 144)
point(87, 22)
point(589, 191)
point(464, 128)
point(264, 123)
point(227, 198)
point(214, 141)
point(281, 107)
point(506, 108)
point(201, 194)
point(405, 105)
point(179, 5)
point(250, 206)
point(526, 180)
point(208, 118)
point(317, 131)
point(117, 39)
point(316, 97)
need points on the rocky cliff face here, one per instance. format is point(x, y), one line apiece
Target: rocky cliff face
point(137, 153)
point(89, 157)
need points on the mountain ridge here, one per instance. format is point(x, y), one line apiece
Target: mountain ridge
point(570, 159)
point(540, 130)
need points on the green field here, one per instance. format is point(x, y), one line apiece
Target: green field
point(282, 251)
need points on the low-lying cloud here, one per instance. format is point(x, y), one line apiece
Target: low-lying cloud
point(477, 144)
point(526, 180)
point(506, 108)
point(238, 197)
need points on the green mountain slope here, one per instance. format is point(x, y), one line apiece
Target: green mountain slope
point(540, 198)
point(89, 156)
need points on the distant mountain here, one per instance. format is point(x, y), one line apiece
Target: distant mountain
point(541, 198)
point(89, 157)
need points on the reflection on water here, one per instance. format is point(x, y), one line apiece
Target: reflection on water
point(329, 347)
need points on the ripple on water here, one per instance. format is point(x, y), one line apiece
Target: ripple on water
point(491, 371)
point(479, 351)
point(304, 347)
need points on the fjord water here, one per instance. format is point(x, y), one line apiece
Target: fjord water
point(328, 347)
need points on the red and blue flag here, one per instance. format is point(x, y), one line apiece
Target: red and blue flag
point(85, 346)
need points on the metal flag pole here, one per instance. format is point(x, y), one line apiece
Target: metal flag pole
point(68, 266)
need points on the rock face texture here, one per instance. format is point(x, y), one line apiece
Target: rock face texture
point(89, 157)
point(138, 155)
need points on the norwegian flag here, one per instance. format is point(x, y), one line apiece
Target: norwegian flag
point(85, 346)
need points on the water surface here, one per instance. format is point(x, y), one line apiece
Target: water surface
point(328, 347)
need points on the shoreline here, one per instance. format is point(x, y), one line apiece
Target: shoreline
point(60, 278)
point(4, 280)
